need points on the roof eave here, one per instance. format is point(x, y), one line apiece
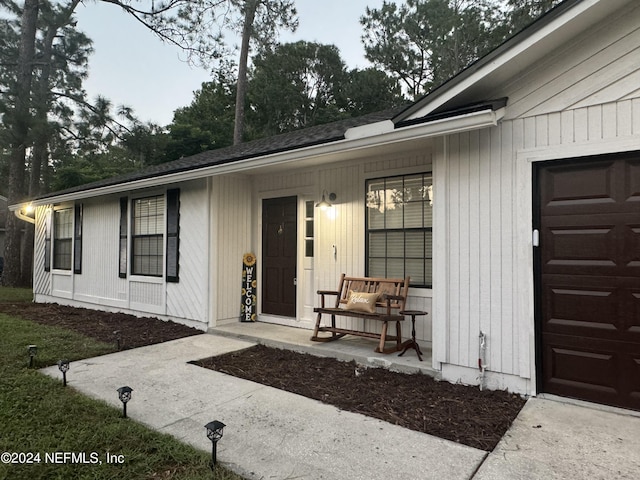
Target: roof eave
point(435, 128)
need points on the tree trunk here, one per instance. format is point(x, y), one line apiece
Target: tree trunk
point(241, 92)
point(40, 156)
point(19, 131)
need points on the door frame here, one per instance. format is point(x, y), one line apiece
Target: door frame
point(537, 274)
point(302, 195)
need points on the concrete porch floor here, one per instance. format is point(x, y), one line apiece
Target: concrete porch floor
point(347, 348)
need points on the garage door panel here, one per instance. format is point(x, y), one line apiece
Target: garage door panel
point(573, 367)
point(606, 372)
point(579, 246)
point(633, 319)
point(632, 180)
point(596, 185)
point(600, 307)
point(571, 306)
point(632, 245)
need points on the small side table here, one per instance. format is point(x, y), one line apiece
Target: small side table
point(411, 343)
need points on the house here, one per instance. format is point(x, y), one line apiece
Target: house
point(509, 195)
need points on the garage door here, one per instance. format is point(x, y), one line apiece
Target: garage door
point(589, 279)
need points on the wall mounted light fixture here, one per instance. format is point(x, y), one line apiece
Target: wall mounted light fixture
point(324, 204)
point(26, 213)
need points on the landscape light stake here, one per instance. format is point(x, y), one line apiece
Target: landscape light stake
point(118, 338)
point(63, 365)
point(33, 351)
point(214, 433)
point(124, 393)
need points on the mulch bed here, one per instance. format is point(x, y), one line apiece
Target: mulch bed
point(460, 413)
point(133, 331)
point(418, 402)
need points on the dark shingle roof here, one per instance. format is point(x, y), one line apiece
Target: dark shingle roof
point(317, 135)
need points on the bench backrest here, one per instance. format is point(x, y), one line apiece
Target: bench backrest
point(390, 286)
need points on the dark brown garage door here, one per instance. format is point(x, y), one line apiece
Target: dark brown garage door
point(589, 279)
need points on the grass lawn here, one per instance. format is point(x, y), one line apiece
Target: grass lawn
point(39, 417)
point(15, 294)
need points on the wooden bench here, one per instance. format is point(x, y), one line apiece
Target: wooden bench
point(389, 305)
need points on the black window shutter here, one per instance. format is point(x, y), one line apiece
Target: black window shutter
point(77, 238)
point(124, 203)
point(47, 240)
point(173, 234)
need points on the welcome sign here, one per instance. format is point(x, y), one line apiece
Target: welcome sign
point(249, 306)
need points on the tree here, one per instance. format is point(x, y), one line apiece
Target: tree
point(295, 86)
point(301, 84)
point(371, 90)
point(425, 42)
point(523, 12)
point(18, 121)
point(211, 111)
point(60, 62)
point(261, 20)
point(186, 23)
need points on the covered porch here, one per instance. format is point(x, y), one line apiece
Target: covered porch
point(346, 349)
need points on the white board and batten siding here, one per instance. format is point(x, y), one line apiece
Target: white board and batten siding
point(339, 233)
point(583, 101)
point(99, 285)
point(231, 233)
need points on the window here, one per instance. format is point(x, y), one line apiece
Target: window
point(147, 236)
point(399, 228)
point(154, 221)
point(62, 238)
point(308, 228)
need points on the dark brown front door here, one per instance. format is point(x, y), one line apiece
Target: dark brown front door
point(279, 235)
point(589, 279)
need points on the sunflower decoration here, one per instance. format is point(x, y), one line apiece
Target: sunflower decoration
point(249, 259)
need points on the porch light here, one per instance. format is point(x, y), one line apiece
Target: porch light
point(33, 351)
point(63, 365)
point(324, 204)
point(124, 393)
point(214, 433)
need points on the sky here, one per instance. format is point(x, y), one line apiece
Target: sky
point(130, 66)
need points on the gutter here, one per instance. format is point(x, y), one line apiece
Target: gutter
point(356, 138)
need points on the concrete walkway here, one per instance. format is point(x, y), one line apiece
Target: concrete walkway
point(272, 434)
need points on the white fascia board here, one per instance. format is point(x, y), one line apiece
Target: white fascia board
point(557, 25)
point(446, 126)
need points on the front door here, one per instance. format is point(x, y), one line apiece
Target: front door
point(589, 277)
point(279, 254)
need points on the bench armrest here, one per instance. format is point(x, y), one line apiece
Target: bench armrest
point(388, 296)
point(322, 293)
